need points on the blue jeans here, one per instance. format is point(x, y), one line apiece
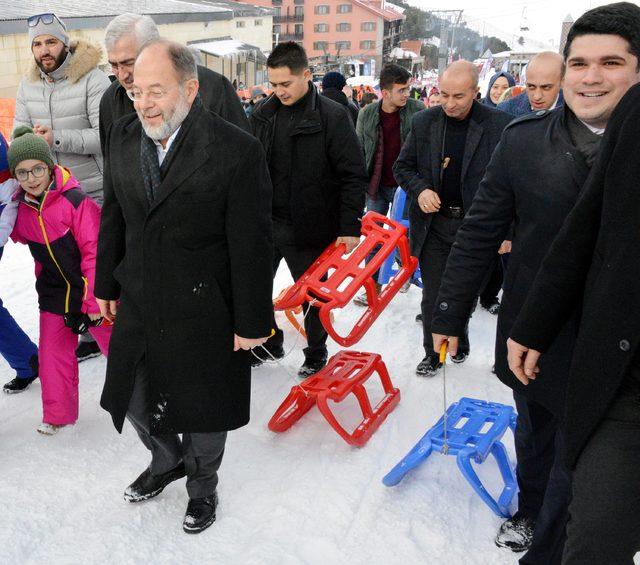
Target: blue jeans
point(381, 204)
point(15, 346)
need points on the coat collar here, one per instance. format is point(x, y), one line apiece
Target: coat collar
point(311, 121)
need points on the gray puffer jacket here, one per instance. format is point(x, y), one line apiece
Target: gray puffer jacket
point(68, 100)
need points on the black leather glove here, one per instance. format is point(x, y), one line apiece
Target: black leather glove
point(79, 323)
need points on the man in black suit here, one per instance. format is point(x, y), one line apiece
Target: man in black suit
point(184, 257)
point(440, 167)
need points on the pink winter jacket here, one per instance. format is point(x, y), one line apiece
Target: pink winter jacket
point(62, 234)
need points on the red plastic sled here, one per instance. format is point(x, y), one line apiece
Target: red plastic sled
point(333, 280)
point(344, 374)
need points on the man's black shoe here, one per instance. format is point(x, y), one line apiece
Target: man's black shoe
point(492, 306)
point(419, 318)
point(311, 367)
point(87, 350)
point(459, 357)
point(201, 513)
point(516, 533)
point(259, 355)
point(147, 485)
point(18, 385)
point(429, 365)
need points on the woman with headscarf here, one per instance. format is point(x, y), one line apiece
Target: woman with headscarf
point(497, 85)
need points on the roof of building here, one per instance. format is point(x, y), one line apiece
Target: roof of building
point(240, 10)
point(226, 47)
point(390, 12)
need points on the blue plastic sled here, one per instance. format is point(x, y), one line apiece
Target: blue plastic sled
point(389, 267)
point(467, 438)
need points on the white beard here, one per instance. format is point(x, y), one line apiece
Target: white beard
point(168, 127)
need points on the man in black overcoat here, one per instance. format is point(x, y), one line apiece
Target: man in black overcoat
point(124, 36)
point(184, 257)
point(319, 182)
point(593, 265)
point(534, 179)
point(440, 167)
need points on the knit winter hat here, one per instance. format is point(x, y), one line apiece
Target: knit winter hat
point(27, 145)
point(333, 80)
point(47, 24)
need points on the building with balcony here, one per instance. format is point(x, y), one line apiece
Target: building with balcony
point(359, 33)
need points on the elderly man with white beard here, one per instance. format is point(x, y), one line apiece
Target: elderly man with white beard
point(184, 272)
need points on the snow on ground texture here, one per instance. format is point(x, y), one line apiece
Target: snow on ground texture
point(303, 496)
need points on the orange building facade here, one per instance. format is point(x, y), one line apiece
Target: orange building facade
point(338, 31)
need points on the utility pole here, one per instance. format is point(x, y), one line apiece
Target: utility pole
point(449, 22)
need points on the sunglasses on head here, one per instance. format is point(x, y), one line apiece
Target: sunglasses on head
point(46, 19)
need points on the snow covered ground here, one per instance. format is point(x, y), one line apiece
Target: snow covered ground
point(303, 496)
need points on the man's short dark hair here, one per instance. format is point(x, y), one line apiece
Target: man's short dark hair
point(288, 54)
point(393, 74)
point(621, 18)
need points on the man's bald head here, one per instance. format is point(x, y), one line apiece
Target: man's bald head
point(458, 89)
point(544, 76)
point(460, 70)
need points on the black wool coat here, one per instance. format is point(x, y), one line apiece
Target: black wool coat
point(531, 185)
point(418, 166)
point(190, 270)
point(341, 98)
point(328, 177)
point(593, 267)
point(216, 94)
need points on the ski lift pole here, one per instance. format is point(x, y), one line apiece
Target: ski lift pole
point(443, 360)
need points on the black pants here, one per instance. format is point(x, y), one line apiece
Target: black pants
point(543, 481)
point(605, 510)
point(433, 260)
point(298, 260)
point(494, 284)
point(202, 452)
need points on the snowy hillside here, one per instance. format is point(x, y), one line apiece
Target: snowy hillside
point(303, 496)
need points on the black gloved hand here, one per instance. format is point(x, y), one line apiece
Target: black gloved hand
point(79, 322)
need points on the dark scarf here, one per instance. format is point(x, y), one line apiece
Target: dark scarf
point(152, 172)
point(586, 141)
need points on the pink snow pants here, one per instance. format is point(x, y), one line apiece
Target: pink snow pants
point(59, 367)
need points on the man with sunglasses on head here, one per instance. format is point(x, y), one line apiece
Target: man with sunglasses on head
point(60, 99)
point(123, 39)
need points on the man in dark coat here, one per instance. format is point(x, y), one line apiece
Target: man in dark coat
point(123, 38)
point(593, 265)
point(185, 247)
point(318, 177)
point(440, 167)
point(531, 185)
point(332, 85)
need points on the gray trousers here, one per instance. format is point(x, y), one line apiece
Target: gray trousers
point(604, 528)
point(202, 452)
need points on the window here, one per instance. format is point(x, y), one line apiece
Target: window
point(368, 26)
point(257, 22)
point(298, 1)
point(343, 27)
point(299, 29)
point(367, 45)
point(277, 12)
point(299, 11)
point(321, 28)
point(344, 8)
point(322, 9)
point(240, 24)
point(276, 29)
point(343, 45)
point(320, 45)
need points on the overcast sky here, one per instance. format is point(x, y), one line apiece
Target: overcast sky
point(503, 18)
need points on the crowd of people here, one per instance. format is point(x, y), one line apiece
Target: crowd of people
point(157, 210)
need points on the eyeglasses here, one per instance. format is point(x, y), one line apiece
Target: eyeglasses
point(46, 19)
point(38, 172)
point(155, 93)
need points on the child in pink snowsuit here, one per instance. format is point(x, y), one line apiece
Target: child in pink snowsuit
point(60, 225)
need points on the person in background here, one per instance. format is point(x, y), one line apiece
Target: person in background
point(368, 98)
point(333, 84)
point(543, 87)
point(497, 85)
point(59, 223)
point(15, 346)
point(433, 99)
point(257, 94)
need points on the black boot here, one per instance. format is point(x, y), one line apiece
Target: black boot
point(311, 367)
point(201, 513)
point(274, 347)
point(87, 350)
point(147, 485)
point(429, 365)
point(492, 306)
point(516, 533)
point(20, 384)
